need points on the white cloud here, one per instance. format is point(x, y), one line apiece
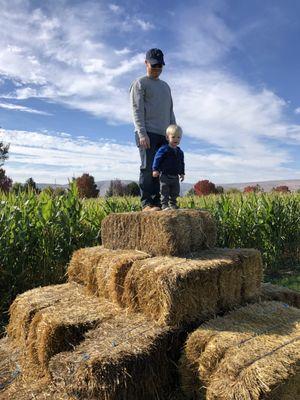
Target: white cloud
point(297, 110)
point(16, 107)
point(48, 157)
point(115, 8)
point(146, 26)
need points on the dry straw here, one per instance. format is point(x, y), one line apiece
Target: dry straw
point(103, 271)
point(181, 290)
point(61, 326)
point(168, 233)
point(15, 386)
point(126, 357)
point(251, 354)
point(280, 293)
point(26, 305)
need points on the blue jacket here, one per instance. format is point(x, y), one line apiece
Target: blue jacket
point(169, 161)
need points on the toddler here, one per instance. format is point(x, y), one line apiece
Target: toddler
point(168, 164)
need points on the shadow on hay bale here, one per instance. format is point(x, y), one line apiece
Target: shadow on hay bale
point(103, 271)
point(169, 233)
point(252, 354)
point(127, 357)
point(280, 293)
point(176, 291)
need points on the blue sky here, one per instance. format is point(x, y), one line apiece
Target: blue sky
point(233, 68)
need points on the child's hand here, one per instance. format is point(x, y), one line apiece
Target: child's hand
point(181, 177)
point(155, 174)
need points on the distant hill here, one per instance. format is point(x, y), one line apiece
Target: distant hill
point(293, 184)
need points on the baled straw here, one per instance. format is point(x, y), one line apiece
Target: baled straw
point(127, 357)
point(82, 265)
point(169, 233)
point(250, 354)
point(103, 271)
point(61, 326)
point(111, 271)
point(280, 293)
point(26, 305)
point(182, 290)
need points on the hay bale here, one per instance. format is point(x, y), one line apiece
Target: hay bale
point(15, 386)
point(61, 326)
point(252, 353)
point(280, 293)
point(103, 271)
point(127, 357)
point(82, 265)
point(169, 233)
point(26, 305)
point(181, 290)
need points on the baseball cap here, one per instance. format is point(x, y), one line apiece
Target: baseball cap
point(155, 56)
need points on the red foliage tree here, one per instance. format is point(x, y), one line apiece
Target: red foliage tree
point(281, 189)
point(253, 189)
point(86, 186)
point(204, 188)
point(5, 181)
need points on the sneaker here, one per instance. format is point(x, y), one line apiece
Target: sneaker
point(147, 208)
point(174, 207)
point(151, 208)
point(166, 208)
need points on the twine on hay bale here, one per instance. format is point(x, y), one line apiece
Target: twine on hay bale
point(126, 357)
point(103, 271)
point(27, 304)
point(280, 293)
point(61, 326)
point(252, 353)
point(182, 290)
point(169, 233)
point(15, 386)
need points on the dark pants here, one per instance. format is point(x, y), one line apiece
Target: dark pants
point(149, 186)
point(170, 189)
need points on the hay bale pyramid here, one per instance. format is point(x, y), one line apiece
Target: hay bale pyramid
point(155, 313)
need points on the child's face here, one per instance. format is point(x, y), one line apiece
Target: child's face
point(174, 139)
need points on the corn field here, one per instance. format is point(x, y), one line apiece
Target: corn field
point(38, 233)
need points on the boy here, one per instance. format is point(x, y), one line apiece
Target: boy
point(169, 165)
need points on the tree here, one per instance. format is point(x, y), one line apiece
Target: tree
point(132, 189)
point(5, 181)
point(86, 186)
point(116, 188)
point(3, 153)
point(233, 190)
point(17, 188)
point(281, 189)
point(190, 192)
point(253, 189)
point(30, 186)
point(219, 189)
point(204, 188)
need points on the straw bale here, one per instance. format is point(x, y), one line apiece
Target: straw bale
point(102, 270)
point(280, 293)
point(127, 357)
point(175, 290)
point(252, 353)
point(26, 305)
point(61, 326)
point(111, 271)
point(169, 233)
point(82, 265)
point(15, 386)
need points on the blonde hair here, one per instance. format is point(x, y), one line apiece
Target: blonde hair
point(171, 129)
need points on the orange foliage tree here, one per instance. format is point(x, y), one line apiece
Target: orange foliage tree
point(204, 188)
point(86, 186)
point(281, 189)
